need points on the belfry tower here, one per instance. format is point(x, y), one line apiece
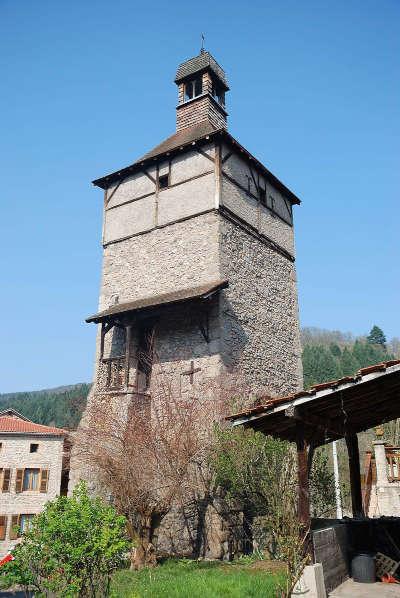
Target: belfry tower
point(198, 256)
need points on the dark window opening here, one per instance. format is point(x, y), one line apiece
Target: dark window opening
point(193, 88)
point(272, 203)
point(218, 93)
point(145, 357)
point(163, 181)
point(34, 448)
point(263, 195)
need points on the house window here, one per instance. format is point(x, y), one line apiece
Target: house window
point(25, 522)
point(33, 448)
point(163, 181)
point(263, 195)
point(31, 479)
point(193, 88)
point(20, 524)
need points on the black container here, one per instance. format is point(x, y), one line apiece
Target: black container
point(363, 568)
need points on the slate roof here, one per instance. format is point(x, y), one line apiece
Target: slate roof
point(11, 422)
point(199, 63)
point(200, 292)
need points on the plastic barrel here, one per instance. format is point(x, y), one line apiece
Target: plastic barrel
point(363, 568)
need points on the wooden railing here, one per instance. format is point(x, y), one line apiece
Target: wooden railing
point(115, 377)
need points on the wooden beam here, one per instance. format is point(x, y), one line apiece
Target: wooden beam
point(316, 422)
point(128, 336)
point(303, 508)
point(218, 176)
point(204, 154)
point(355, 477)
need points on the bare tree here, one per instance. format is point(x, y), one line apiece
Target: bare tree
point(148, 457)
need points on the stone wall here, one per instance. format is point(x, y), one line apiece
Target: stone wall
point(15, 454)
point(259, 313)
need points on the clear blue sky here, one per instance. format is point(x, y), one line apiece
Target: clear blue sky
point(87, 87)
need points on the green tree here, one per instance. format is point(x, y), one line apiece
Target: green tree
point(376, 336)
point(348, 362)
point(71, 550)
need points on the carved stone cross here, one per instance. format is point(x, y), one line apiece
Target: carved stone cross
point(191, 372)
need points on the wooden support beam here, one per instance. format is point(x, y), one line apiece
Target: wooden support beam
point(128, 336)
point(355, 477)
point(303, 509)
point(314, 421)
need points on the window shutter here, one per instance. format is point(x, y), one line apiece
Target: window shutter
point(3, 527)
point(44, 480)
point(14, 531)
point(6, 480)
point(18, 480)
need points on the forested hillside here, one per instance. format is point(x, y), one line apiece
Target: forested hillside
point(327, 355)
point(60, 407)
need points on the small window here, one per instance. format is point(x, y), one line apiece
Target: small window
point(193, 88)
point(271, 203)
point(163, 181)
point(25, 522)
point(1, 445)
point(263, 195)
point(33, 448)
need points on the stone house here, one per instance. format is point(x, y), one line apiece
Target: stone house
point(198, 261)
point(32, 472)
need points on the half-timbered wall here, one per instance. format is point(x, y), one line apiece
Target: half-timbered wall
point(137, 204)
point(252, 198)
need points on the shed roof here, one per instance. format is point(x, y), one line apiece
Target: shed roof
point(183, 140)
point(199, 292)
point(12, 422)
point(330, 410)
point(200, 63)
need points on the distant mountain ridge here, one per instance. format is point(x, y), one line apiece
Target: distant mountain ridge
point(48, 391)
point(61, 406)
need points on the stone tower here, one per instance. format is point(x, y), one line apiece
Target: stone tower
point(198, 255)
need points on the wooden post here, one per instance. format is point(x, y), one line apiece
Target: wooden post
point(303, 510)
point(355, 477)
point(128, 334)
point(102, 335)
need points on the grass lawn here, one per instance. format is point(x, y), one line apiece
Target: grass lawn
point(200, 579)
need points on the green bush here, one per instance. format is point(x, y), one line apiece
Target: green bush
point(72, 549)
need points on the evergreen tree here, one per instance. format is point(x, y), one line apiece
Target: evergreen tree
point(376, 336)
point(348, 362)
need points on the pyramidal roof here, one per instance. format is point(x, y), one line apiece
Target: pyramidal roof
point(200, 63)
point(12, 422)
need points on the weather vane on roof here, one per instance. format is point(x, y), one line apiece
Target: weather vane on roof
point(202, 42)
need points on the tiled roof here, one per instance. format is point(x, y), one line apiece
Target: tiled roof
point(12, 422)
point(203, 61)
point(332, 385)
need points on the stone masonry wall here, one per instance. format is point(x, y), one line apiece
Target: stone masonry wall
point(15, 455)
point(259, 313)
